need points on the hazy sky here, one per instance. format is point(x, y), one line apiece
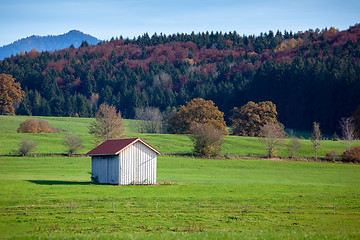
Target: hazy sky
point(110, 18)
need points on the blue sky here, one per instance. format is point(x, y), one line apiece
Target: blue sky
point(110, 18)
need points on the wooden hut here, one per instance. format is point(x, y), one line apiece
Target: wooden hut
point(124, 162)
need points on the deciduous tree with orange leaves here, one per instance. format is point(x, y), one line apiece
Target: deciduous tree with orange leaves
point(247, 120)
point(197, 111)
point(10, 92)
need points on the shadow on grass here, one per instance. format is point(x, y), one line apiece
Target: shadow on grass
point(58, 182)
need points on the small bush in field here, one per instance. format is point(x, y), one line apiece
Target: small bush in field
point(36, 126)
point(73, 143)
point(26, 146)
point(293, 146)
point(332, 156)
point(206, 138)
point(352, 155)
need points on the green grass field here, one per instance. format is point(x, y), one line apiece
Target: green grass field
point(237, 198)
point(166, 143)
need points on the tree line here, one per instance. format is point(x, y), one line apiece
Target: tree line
point(311, 76)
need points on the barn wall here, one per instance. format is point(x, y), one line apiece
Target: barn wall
point(105, 168)
point(137, 165)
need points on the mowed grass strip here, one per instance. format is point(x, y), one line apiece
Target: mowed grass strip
point(234, 195)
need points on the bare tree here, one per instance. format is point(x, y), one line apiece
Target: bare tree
point(348, 131)
point(315, 138)
point(162, 79)
point(150, 120)
point(272, 137)
point(206, 138)
point(293, 146)
point(73, 143)
point(108, 124)
point(26, 146)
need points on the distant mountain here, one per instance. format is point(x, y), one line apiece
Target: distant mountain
point(47, 43)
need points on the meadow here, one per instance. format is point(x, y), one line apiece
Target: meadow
point(165, 143)
point(195, 199)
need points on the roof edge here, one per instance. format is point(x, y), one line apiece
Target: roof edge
point(143, 142)
point(109, 154)
point(128, 145)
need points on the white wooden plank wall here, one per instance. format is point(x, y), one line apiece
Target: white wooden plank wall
point(137, 165)
point(147, 168)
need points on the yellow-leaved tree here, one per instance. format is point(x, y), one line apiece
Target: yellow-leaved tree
point(247, 120)
point(10, 92)
point(197, 111)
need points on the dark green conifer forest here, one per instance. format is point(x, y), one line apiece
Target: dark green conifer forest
point(311, 76)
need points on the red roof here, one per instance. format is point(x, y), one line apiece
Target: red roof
point(115, 146)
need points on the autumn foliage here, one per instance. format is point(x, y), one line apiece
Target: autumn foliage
point(352, 155)
point(288, 44)
point(311, 75)
point(36, 126)
point(197, 111)
point(10, 92)
point(248, 120)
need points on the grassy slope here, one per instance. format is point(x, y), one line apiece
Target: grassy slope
point(223, 188)
point(166, 143)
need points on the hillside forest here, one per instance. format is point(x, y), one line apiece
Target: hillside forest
point(310, 76)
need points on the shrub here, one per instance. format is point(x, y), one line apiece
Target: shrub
point(332, 156)
point(73, 143)
point(206, 138)
point(293, 146)
point(36, 126)
point(26, 146)
point(44, 127)
point(352, 155)
point(28, 126)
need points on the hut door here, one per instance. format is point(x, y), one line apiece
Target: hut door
point(103, 170)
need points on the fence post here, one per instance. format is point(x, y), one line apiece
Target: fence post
point(156, 207)
point(289, 208)
point(25, 210)
point(198, 207)
point(334, 209)
point(113, 207)
point(246, 208)
point(70, 206)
